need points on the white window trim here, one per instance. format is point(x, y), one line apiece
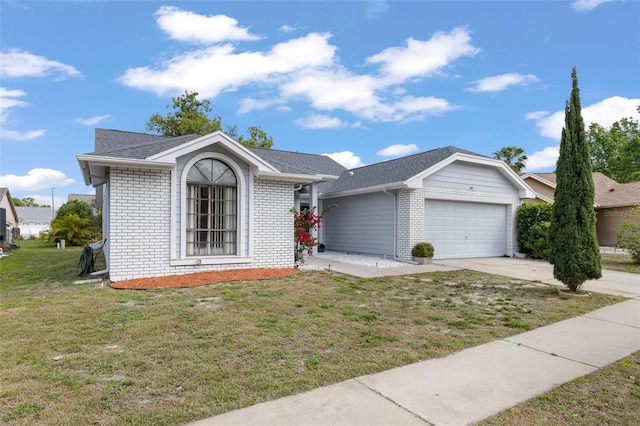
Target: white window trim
point(242, 189)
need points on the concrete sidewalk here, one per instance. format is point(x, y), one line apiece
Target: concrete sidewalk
point(475, 383)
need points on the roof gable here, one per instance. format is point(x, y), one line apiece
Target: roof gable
point(410, 171)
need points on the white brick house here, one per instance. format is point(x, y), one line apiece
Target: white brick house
point(195, 203)
point(175, 205)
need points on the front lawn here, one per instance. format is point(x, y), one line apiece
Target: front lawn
point(86, 354)
point(620, 262)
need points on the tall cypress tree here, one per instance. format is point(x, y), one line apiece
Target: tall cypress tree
point(575, 252)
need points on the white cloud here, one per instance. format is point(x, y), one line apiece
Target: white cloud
point(587, 5)
point(16, 63)
point(15, 135)
point(190, 27)
point(424, 58)
point(318, 121)
point(543, 159)
point(398, 150)
point(91, 121)
point(287, 28)
point(535, 115)
point(7, 102)
point(251, 104)
point(192, 70)
point(347, 158)
point(605, 113)
point(340, 89)
point(502, 82)
point(306, 69)
point(36, 179)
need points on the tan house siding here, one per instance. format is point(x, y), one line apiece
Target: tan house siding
point(609, 220)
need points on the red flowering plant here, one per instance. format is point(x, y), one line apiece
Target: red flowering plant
point(305, 221)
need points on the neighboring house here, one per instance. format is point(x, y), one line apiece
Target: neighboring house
point(174, 205)
point(34, 220)
point(8, 217)
point(613, 201)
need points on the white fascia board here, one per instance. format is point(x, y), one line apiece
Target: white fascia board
point(377, 188)
point(294, 177)
point(624, 204)
point(215, 138)
point(99, 160)
point(539, 179)
point(88, 162)
point(524, 189)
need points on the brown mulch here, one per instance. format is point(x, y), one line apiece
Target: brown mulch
point(204, 278)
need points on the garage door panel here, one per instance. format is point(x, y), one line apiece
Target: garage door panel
point(461, 229)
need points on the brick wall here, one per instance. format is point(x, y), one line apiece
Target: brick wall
point(140, 237)
point(140, 220)
point(273, 224)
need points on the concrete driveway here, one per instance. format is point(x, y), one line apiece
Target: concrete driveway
point(612, 282)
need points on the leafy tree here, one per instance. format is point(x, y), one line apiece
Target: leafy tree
point(615, 151)
point(191, 117)
point(574, 253)
point(513, 156)
point(85, 211)
point(25, 202)
point(77, 207)
point(629, 234)
point(71, 228)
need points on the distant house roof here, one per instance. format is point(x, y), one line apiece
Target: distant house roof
point(34, 214)
point(608, 192)
point(87, 198)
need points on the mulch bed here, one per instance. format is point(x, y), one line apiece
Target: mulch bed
point(204, 278)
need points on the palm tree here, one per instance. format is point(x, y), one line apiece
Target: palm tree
point(513, 156)
point(72, 228)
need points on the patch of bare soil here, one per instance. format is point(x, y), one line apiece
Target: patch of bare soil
point(204, 278)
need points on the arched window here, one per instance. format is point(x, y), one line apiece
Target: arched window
point(212, 209)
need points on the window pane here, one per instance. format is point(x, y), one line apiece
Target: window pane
point(212, 206)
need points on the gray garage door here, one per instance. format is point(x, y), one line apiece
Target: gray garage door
point(460, 229)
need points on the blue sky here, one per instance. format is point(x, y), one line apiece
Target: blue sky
point(362, 81)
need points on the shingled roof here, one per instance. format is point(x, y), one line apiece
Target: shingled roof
point(298, 162)
point(392, 171)
point(140, 146)
point(608, 192)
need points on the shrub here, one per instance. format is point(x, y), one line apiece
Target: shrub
point(532, 225)
point(422, 249)
point(629, 234)
point(73, 229)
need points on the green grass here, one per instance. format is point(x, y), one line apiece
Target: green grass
point(86, 354)
point(610, 396)
point(620, 262)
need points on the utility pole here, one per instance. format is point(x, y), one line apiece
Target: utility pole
point(53, 207)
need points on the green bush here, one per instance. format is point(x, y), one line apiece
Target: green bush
point(629, 234)
point(73, 229)
point(532, 225)
point(422, 249)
